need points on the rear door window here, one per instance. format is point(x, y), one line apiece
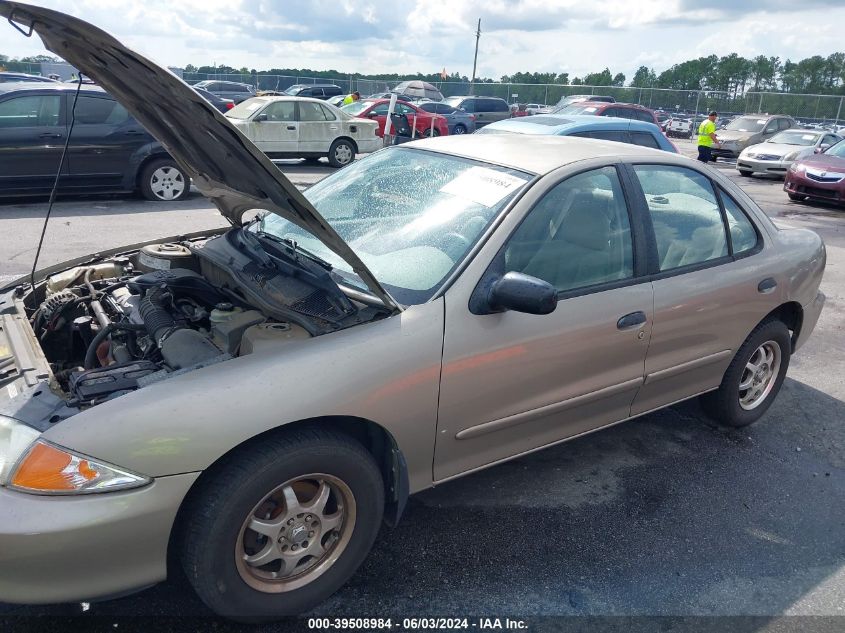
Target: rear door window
point(743, 235)
point(685, 214)
point(309, 111)
point(620, 136)
point(99, 111)
point(645, 139)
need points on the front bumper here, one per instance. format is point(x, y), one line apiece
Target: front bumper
point(726, 152)
point(73, 549)
point(777, 167)
point(799, 184)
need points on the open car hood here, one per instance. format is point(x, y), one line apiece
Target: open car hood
point(224, 165)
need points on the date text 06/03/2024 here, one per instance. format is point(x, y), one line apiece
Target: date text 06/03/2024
point(417, 624)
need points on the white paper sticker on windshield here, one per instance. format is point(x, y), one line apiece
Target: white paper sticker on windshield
point(761, 121)
point(590, 109)
point(254, 106)
point(808, 137)
point(483, 186)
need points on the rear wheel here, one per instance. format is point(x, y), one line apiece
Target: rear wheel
point(162, 180)
point(754, 377)
point(341, 153)
point(796, 196)
point(745, 172)
point(460, 128)
point(282, 524)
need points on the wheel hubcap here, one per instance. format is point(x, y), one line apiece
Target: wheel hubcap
point(343, 154)
point(295, 533)
point(167, 183)
point(759, 376)
point(459, 130)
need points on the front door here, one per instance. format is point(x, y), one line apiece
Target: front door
point(32, 137)
point(277, 131)
point(513, 382)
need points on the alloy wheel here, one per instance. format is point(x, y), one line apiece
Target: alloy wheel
point(759, 375)
point(296, 533)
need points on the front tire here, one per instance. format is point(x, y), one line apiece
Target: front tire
point(341, 153)
point(754, 377)
point(162, 180)
point(745, 172)
point(797, 197)
point(460, 128)
point(282, 524)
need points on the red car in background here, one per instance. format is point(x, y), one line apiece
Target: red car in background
point(818, 177)
point(376, 109)
point(621, 110)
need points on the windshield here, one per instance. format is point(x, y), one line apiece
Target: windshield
point(294, 90)
point(746, 124)
point(455, 102)
point(356, 107)
point(837, 150)
point(246, 109)
point(795, 137)
point(410, 215)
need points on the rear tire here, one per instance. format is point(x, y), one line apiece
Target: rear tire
point(746, 393)
point(256, 541)
point(745, 172)
point(797, 197)
point(341, 153)
point(162, 180)
point(460, 128)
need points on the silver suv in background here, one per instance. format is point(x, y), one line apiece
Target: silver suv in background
point(486, 109)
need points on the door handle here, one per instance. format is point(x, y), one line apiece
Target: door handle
point(134, 133)
point(631, 320)
point(291, 127)
point(49, 135)
point(767, 285)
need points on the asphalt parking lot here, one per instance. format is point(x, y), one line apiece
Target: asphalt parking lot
point(666, 515)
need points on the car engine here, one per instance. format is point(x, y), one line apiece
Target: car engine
point(118, 325)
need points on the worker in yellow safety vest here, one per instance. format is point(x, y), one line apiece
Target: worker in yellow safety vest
point(351, 98)
point(707, 138)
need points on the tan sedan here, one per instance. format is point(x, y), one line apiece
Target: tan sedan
point(252, 403)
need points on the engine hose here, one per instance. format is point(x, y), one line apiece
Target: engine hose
point(156, 318)
point(91, 352)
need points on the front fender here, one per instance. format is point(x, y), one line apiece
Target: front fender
point(386, 371)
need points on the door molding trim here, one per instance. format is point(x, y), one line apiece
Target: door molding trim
point(688, 366)
point(527, 416)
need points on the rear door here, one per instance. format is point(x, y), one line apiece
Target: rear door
point(104, 140)
point(32, 137)
point(279, 133)
point(318, 127)
point(705, 280)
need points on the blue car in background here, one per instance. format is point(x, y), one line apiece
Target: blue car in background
point(602, 127)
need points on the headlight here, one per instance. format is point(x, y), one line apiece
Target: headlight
point(796, 168)
point(792, 155)
point(52, 470)
point(15, 438)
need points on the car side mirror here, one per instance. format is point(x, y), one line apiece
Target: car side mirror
point(822, 148)
point(261, 118)
point(523, 293)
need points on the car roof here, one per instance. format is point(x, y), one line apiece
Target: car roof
point(557, 123)
point(14, 86)
point(530, 153)
point(272, 98)
point(470, 97)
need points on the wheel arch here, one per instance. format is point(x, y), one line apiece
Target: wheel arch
point(343, 137)
point(791, 313)
point(139, 171)
point(377, 440)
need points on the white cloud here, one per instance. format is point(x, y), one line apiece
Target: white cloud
point(372, 36)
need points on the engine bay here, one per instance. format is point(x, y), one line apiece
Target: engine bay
point(119, 324)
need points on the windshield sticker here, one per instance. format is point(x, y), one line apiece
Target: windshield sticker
point(254, 106)
point(808, 137)
point(590, 109)
point(483, 186)
point(761, 121)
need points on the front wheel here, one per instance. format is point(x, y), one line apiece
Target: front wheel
point(754, 377)
point(341, 153)
point(162, 180)
point(459, 129)
point(797, 197)
point(282, 524)
point(745, 172)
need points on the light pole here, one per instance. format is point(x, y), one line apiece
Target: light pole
point(475, 59)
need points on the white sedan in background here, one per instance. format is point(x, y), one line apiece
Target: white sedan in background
point(779, 152)
point(301, 127)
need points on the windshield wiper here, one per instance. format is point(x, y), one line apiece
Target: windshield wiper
point(295, 248)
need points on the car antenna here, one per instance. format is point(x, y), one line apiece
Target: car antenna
point(55, 188)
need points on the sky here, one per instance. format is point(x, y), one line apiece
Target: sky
point(375, 36)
